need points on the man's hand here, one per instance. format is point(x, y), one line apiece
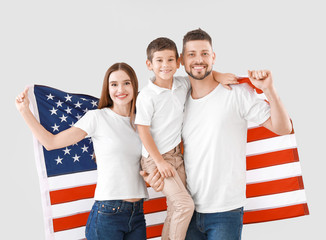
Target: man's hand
point(261, 79)
point(155, 180)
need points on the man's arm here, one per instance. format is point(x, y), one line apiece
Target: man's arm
point(279, 122)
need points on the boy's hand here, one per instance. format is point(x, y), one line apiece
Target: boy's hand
point(22, 101)
point(165, 168)
point(226, 79)
point(155, 180)
point(261, 79)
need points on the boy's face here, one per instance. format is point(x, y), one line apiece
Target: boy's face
point(198, 59)
point(164, 64)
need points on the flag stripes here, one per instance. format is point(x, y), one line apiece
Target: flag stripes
point(275, 187)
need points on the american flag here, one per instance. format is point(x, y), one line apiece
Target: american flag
point(68, 176)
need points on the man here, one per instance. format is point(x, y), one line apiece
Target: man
point(214, 136)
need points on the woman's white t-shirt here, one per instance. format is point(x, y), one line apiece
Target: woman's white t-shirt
point(117, 149)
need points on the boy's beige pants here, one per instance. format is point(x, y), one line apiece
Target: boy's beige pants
point(180, 206)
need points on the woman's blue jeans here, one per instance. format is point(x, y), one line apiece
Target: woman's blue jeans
point(116, 220)
point(216, 226)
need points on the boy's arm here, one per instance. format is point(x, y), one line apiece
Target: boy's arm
point(226, 79)
point(279, 122)
point(163, 167)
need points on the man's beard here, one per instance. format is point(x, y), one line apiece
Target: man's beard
point(200, 78)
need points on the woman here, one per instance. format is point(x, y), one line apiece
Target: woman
point(118, 209)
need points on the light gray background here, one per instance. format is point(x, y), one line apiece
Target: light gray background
point(70, 44)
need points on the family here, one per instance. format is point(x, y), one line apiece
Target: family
point(205, 187)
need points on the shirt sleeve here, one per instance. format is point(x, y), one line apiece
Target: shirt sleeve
point(144, 109)
point(185, 81)
point(88, 123)
point(252, 107)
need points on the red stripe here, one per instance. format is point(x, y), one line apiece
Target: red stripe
point(155, 205)
point(154, 231)
point(275, 214)
point(247, 80)
point(70, 222)
point(72, 194)
point(259, 133)
point(272, 158)
point(274, 187)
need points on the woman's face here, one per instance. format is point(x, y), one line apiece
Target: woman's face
point(120, 88)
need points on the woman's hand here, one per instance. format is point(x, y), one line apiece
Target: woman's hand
point(155, 180)
point(22, 101)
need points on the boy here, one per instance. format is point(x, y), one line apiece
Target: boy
point(159, 120)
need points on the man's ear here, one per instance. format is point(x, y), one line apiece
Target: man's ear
point(178, 62)
point(149, 65)
point(214, 57)
point(181, 59)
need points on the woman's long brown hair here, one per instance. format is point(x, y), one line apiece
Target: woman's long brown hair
point(106, 101)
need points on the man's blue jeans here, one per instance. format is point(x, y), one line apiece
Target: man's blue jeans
point(116, 220)
point(216, 226)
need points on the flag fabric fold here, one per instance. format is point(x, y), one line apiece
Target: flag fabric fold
point(68, 176)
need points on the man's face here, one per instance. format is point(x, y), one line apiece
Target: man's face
point(198, 59)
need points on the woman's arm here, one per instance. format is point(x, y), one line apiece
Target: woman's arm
point(46, 138)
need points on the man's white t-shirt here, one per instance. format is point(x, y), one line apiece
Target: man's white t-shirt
point(215, 136)
point(118, 151)
point(162, 110)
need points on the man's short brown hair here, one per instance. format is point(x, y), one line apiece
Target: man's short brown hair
point(194, 35)
point(160, 44)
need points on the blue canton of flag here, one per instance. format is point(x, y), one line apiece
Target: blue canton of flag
point(59, 111)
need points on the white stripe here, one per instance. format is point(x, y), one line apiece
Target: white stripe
point(274, 173)
point(276, 200)
point(72, 180)
point(76, 233)
point(253, 125)
point(157, 238)
point(155, 218)
point(71, 208)
point(41, 170)
point(271, 144)
point(152, 194)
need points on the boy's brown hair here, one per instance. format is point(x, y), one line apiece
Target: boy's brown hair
point(194, 35)
point(160, 44)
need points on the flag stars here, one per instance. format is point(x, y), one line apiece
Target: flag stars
point(84, 148)
point(59, 103)
point(85, 110)
point(68, 98)
point(53, 111)
point(55, 127)
point(76, 158)
point(78, 104)
point(58, 160)
point(72, 124)
point(67, 151)
point(94, 103)
point(63, 118)
point(50, 96)
point(68, 110)
point(78, 116)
